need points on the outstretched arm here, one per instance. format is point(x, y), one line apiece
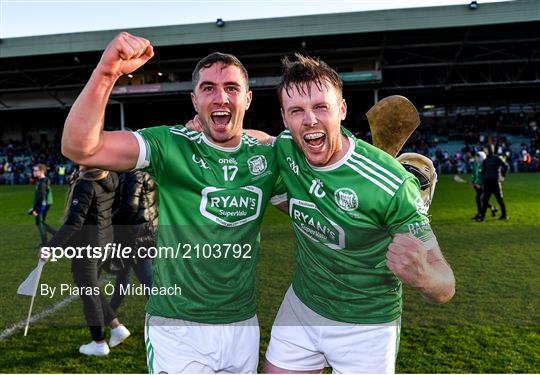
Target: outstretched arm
point(84, 141)
point(425, 270)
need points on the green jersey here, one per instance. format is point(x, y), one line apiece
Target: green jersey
point(344, 217)
point(212, 202)
point(477, 177)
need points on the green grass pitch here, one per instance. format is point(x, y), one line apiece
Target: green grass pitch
point(491, 326)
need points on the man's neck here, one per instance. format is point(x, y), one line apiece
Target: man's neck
point(344, 147)
point(229, 144)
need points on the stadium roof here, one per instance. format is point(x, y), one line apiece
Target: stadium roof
point(466, 54)
point(286, 27)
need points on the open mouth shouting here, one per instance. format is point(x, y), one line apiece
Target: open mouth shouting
point(315, 140)
point(221, 119)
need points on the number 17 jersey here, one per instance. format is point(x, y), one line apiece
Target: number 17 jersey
point(211, 205)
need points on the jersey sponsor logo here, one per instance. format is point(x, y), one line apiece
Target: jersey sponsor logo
point(257, 164)
point(419, 227)
point(227, 161)
point(200, 162)
point(231, 207)
point(422, 231)
point(308, 219)
point(292, 165)
point(346, 199)
point(315, 188)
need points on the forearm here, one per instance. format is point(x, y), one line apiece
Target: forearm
point(439, 285)
point(84, 125)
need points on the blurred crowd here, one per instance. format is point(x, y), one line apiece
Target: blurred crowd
point(17, 160)
point(523, 157)
point(435, 138)
point(452, 146)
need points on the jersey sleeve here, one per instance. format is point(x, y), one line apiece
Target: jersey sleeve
point(407, 214)
point(153, 143)
point(279, 192)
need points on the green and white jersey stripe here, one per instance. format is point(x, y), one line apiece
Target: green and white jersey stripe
point(344, 216)
point(286, 134)
point(188, 134)
point(149, 347)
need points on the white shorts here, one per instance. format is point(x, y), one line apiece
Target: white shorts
point(180, 346)
point(303, 340)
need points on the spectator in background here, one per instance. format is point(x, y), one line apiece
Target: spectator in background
point(2, 171)
point(88, 221)
point(494, 171)
point(135, 224)
point(43, 200)
point(477, 183)
point(61, 173)
point(8, 173)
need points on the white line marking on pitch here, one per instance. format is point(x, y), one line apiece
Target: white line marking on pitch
point(48, 311)
point(20, 325)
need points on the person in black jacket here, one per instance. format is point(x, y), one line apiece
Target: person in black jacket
point(43, 200)
point(477, 182)
point(494, 172)
point(135, 222)
point(88, 221)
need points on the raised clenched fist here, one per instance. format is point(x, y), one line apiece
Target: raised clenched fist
point(124, 54)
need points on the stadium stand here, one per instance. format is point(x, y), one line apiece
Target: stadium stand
point(473, 76)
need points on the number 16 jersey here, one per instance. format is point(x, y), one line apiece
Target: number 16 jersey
point(344, 216)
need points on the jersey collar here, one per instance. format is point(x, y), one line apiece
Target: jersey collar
point(221, 148)
point(340, 162)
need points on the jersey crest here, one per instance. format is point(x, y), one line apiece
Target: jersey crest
point(257, 164)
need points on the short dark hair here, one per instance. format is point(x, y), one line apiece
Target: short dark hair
point(218, 57)
point(298, 73)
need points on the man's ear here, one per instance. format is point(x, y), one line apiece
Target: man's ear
point(283, 118)
point(194, 101)
point(343, 109)
point(249, 98)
